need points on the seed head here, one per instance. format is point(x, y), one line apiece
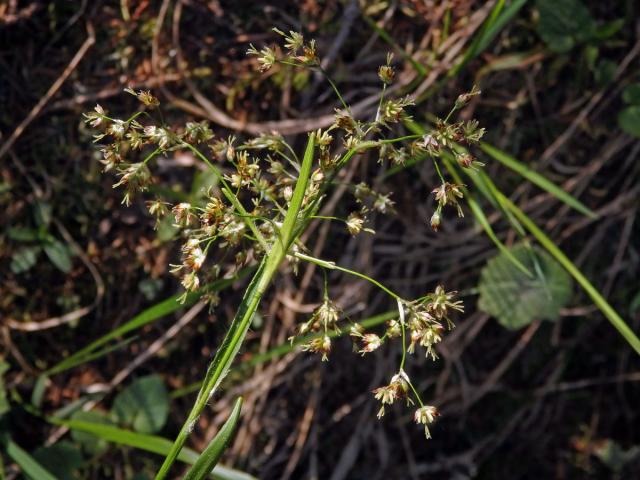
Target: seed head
point(370, 342)
point(435, 220)
point(426, 415)
point(354, 223)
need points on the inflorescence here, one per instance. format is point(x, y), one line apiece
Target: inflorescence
point(242, 215)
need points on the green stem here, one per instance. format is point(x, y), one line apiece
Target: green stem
point(333, 266)
point(235, 335)
point(404, 334)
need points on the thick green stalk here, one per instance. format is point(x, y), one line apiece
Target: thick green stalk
point(235, 335)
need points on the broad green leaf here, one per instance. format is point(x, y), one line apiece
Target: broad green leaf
point(29, 465)
point(631, 94)
point(22, 234)
point(211, 455)
point(629, 120)
point(62, 459)
point(148, 443)
point(166, 230)
point(605, 71)
point(202, 181)
point(564, 23)
point(516, 299)
point(59, 255)
point(143, 405)
point(88, 442)
point(616, 320)
point(24, 258)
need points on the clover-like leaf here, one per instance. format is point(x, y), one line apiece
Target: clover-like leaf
point(629, 120)
point(59, 255)
point(564, 23)
point(24, 258)
point(517, 299)
point(143, 405)
point(62, 459)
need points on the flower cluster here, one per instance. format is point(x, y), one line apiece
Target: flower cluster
point(297, 52)
point(244, 211)
point(323, 321)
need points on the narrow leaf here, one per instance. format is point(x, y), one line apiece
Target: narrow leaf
point(537, 179)
point(608, 311)
point(151, 314)
point(27, 463)
point(211, 455)
point(148, 443)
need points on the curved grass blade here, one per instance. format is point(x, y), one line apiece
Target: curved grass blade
point(608, 311)
point(537, 179)
point(225, 355)
point(151, 314)
point(30, 467)
point(149, 443)
point(496, 21)
point(211, 455)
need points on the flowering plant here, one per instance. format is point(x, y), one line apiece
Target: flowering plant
point(267, 196)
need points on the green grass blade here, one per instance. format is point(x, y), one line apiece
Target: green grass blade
point(211, 455)
point(225, 355)
point(151, 314)
point(149, 443)
point(30, 467)
point(537, 179)
point(608, 311)
point(485, 185)
point(492, 26)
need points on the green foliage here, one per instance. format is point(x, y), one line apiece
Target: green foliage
point(564, 24)
point(29, 465)
point(59, 255)
point(211, 455)
point(143, 405)
point(88, 442)
point(516, 299)
point(629, 120)
point(62, 459)
point(631, 94)
point(629, 117)
point(24, 258)
point(537, 179)
point(145, 442)
point(149, 315)
point(38, 239)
